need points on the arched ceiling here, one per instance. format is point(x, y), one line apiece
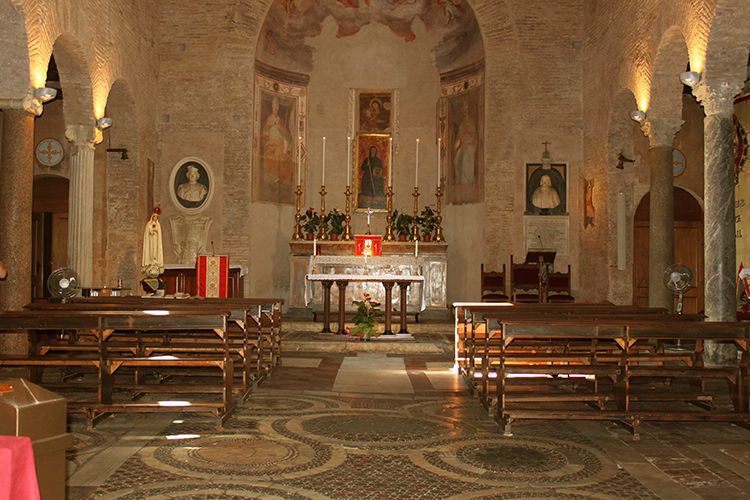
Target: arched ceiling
point(290, 23)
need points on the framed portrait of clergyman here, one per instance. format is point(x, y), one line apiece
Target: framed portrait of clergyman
point(191, 184)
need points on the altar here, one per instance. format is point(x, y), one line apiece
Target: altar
point(398, 259)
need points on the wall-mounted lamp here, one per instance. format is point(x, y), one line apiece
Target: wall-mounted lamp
point(621, 160)
point(123, 152)
point(45, 94)
point(104, 122)
point(638, 115)
point(690, 78)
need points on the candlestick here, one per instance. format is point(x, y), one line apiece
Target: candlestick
point(323, 174)
point(416, 166)
point(348, 217)
point(414, 227)
point(348, 160)
point(389, 216)
point(322, 235)
point(299, 160)
point(438, 161)
point(297, 235)
point(390, 161)
point(439, 218)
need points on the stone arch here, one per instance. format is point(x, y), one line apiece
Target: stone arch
point(665, 110)
point(728, 42)
point(14, 58)
point(123, 198)
point(75, 80)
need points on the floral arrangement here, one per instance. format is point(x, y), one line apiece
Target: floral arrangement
point(427, 221)
point(336, 220)
point(366, 324)
point(310, 221)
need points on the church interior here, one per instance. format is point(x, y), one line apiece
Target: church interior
point(375, 248)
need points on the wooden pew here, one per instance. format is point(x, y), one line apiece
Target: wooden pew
point(107, 326)
point(622, 349)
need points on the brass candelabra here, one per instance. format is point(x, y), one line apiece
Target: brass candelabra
point(389, 217)
point(415, 227)
point(297, 217)
point(348, 218)
point(322, 235)
point(439, 204)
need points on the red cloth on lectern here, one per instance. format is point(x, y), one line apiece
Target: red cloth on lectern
point(367, 244)
point(17, 471)
point(212, 272)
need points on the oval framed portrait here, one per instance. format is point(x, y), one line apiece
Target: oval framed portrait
point(191, 184)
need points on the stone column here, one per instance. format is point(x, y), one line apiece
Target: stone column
point(81, 201)
point(719, 225)
point(16, 193)
point(661, 134)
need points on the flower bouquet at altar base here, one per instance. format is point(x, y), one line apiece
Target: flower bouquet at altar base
point(364, 319)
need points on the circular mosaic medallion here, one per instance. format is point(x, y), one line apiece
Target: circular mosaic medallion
point(280, 405)
point(373, 428)
point(519, 462)
point(250, 456)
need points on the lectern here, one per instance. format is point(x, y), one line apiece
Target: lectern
point(546, 261)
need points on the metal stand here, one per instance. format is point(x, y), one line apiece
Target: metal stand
point(439, 219)
point(389, 217)
point(297, 217)
point(414, 228)
point(322, 235)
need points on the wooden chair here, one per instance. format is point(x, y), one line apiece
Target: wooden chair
point(493, 286)
point(558, 288)
point(524, 278)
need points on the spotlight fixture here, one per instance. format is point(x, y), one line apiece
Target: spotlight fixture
point(637, 115)
point(45, 94)
point(690, 78)
point(104, 122)
point(621, 160)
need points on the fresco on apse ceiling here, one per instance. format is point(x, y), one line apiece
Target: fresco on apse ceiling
point(290, 22)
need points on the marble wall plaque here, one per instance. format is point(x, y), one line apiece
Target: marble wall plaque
point(546, 232)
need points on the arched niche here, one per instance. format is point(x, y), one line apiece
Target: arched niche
point(49, 229)
point(688, 250)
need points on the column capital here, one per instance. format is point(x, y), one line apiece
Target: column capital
point(661, 132)
point(28, 103)
point(717, 97)
point(83, 135)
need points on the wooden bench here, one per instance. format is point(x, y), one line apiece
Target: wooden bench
point(611, 354)
point(105, 326)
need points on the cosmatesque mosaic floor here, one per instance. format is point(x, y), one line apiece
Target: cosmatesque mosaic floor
point(369, 425)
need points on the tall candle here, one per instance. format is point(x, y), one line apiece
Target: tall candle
point(416, 248)
point(348, 160)
point(323, 175)
point(438, 161)
point(416, 166)
point(299, 160)
point(390, 162)
point(315, 246)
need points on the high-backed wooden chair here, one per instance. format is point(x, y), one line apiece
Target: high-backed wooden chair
point(493, 286)
point(558, 288)
point(524, 282)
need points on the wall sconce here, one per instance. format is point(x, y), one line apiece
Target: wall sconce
point(104, 122)
point(123, 152)
point(621, 160)
point(638, 115)
point(690, 78)
point(45, 94)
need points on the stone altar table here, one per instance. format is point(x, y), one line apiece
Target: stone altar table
point(342, 280)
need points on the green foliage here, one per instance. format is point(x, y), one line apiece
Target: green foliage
point(404, 222)
point(366, 324)
point(336, 221)
point(310, 221)
point(427, 221)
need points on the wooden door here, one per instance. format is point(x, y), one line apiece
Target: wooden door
point(688, 249)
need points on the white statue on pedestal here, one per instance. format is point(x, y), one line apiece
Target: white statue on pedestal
point(153, 252)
